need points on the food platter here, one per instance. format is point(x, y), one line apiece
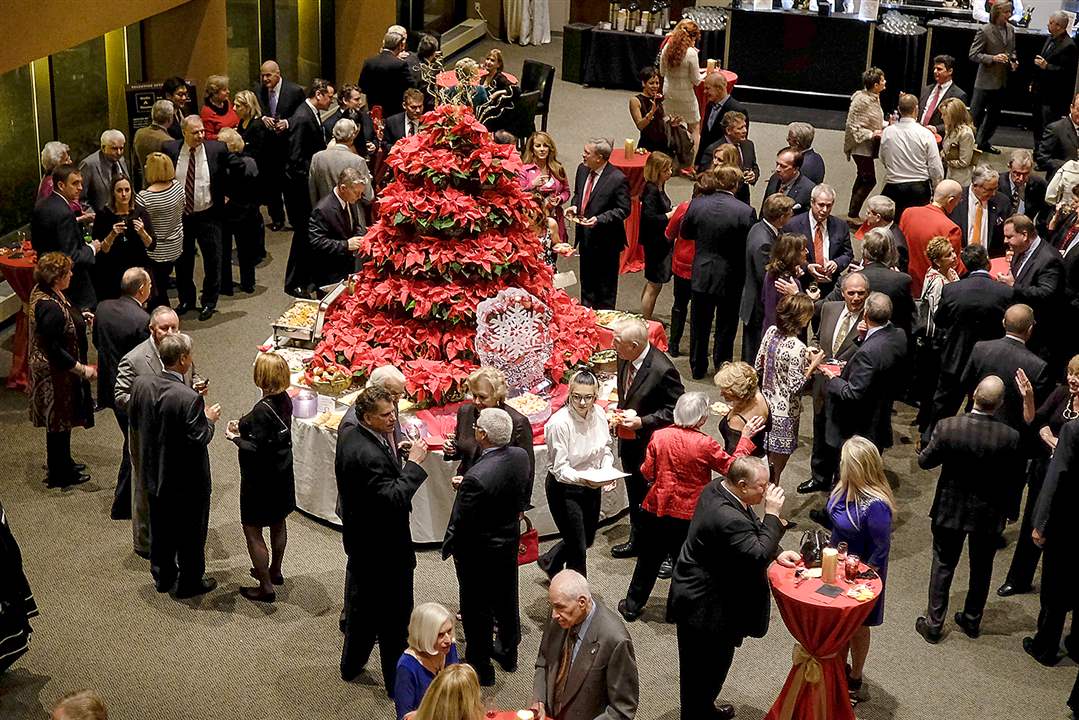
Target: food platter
point(609, 318)
point(298, 321)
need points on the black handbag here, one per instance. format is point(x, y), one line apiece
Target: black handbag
point(812, 544)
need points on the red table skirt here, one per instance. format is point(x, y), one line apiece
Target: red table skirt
point(632, 257)
point(448, 79)
point(19, 274)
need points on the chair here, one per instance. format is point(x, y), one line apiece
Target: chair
point(539, 76)
point(522, 120)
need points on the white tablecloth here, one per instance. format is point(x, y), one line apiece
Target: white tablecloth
point(528, 22)
point(313, 450)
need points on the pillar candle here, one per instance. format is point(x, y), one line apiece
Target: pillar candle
point(829, 558)
point(711, 64)
point(631, 147)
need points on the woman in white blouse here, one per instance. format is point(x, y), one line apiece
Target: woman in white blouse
point(577, 439)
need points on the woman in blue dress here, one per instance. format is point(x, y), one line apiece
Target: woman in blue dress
point(431, 648)
point(861, 508)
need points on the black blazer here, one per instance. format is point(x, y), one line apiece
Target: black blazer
point(970, 310)
point(1041, 285)
point(748, 152)
point(721, 577)
point(468, 452)
point(1069, 311)
point(119, 325)
point(656, 388)
point(719, 224)
point(305, 138)
point(1033, 200)
point(800, 191)
point(813, 166)
point(839, 245)
point(710, 134)
point(290, 98)
point(608, 203)
point(901, 247)
point(981, 467)
point(374, 491)
point(1002, 357)
point(265, 452)
point(328, 233)
point(655, 204)
point(997, 207)
point(221, 163)
point(384, 79)
point(935, 119)
point(1054, 85)
point(53, 228)
point(394, 130)
point(1059, 144)
point(859, 401)
point(1054, 515)
point(486, 509)
point(759, 241)
point(894, 284)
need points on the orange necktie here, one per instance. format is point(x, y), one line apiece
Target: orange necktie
point(976, 232)
point(818, 245)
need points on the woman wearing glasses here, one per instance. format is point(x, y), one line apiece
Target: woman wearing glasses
point(578, 439)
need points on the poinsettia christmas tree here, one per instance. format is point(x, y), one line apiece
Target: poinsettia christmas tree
point(454, 231)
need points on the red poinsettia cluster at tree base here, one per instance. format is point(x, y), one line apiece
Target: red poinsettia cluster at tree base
point(454, 230)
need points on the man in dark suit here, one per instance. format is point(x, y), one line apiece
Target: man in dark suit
point(719, 224)
point(585, 669)
point(1054, 74)
point(1036, 277)
point(718, 102)
point(601, 204)
point(837, 336)
point(335, 231)
point(120, 325)
point(53, 228)
point(407, 123)
point(800, 137)
point(993, 50)
point(1068, 345)
point(980, 459)
point(719, 592)
point(1060, 142)
point(736, 133)
point(933, 95)
point(880, 213)
point(827, 238)
point(878, 256)
point(789, 180)
point(279, 98)
point(176, 91)
point(375, 492)
point(776, 212)
point(981, 211)
point(482, 536)
point(350, 106)
point(649, 385)
point(1025, 191)
point(385, 77)
point(100, 168)
point(175, 427)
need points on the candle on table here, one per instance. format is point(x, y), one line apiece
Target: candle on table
point(631, 147)
point(829, 559)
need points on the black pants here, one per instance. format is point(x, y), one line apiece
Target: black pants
point(864, 182)
point(824, 461)
point(908, 194)
point(58, 457)
point(1058, 595)
point(632, 454)
point(159, 291)
point(657, 539)
point(985, 109)
point(752, 334)
point(575, 510)
point(380, 616)
point(248, 232)
point(599, 274)
point(121, 503)
point(683, 291)
point(706, 309)
point(205, 229)
point(272, 178)
point(487, 578)
point(947, 547)
point(1025, 558)
point(298, 202)
point(178, 525)
point(705, 654)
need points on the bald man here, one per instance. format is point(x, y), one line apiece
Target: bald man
point(279, 99)
point(980, 460)
point(922, 223)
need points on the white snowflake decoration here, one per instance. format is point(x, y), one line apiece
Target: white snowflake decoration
point(513, 335)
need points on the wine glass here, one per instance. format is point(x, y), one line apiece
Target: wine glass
point(490, 707)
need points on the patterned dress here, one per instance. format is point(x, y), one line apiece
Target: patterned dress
point(59, 399)
point(781, 365)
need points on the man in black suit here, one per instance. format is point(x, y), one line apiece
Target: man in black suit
point(350, 106)
point(279, 99)
point(933, 95)
point(800, 137)
point(336, 229)
point(719, 592)
point(1025, 191)
point(827, 238)
point(1069, 310)
point(649, 385)
point(878, 259)
point(719, 224)
point(982, 210)
point(375, 492)
point(736, 133)
point(718, 102)
point(776, 212)
point(407, 123)
point(1036, 277)
point(175, 426)
point(203, 166)
point(385, 77)
point(483, 535)
point(1059, 142)
point(53, 228)
point(980, 459)
point(601, 204)
point(789, 180)
point(120, 325)
point(880, 213)
point(1054, 74)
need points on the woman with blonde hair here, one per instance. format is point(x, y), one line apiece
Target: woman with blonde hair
point(726, 155)
point(217, 112)
point(163, 200)
point(739, 387)
point(454, 695)
point(957, 146)
point(861, 508)
point(431, 649)
point(488, 388)
point(655, 212)
point(543, 175)
point(681, 70)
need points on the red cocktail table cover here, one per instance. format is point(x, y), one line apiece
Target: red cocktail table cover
point(19, 273)
point(632, 259)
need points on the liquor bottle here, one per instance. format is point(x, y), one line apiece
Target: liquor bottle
point(634, 18)
point(623, 18)
point(612, 14)
point(657, 16)
point(665, 6)
point(646, 18)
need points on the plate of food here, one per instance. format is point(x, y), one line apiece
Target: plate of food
point(607, 318)
point(604, 361)
point(563, 249)
point(720, 408)
point(532, 406)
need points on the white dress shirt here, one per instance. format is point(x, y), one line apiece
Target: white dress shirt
point(939, 92)
point(909, 153)
point(203, 199)
point(972, 209)
point(575, 443)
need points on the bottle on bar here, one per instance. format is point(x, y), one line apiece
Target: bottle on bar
point(634, 18)
point(612, 14)
point(646, 17)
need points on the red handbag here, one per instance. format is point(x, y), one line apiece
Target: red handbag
point(528, 547)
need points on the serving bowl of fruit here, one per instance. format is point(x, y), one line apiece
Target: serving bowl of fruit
point(327, 378)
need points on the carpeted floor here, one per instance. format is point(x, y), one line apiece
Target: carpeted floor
point(222, 657)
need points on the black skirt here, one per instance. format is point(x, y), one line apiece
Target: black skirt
point(267, 484)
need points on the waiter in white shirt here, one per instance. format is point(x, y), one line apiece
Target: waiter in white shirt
point(912, 166)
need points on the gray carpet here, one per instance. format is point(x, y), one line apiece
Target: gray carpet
point(222, 657)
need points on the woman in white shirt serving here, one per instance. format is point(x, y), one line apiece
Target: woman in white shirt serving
point(578, 439)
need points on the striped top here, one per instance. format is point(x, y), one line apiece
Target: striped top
point(166, 210)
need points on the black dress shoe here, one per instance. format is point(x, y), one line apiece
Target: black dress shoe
point(623, 610)
point(625, 550)
point(813, 485)
point(507, 661)
point(249, 289)
point(821, 518)
point(931, 636)
point(1007, 590)
point(183, 309)
point(992, 150)
point(1000, 541)
point(207, 312)
point(486, 675)
point(275, 579)
point(230, 290)
point(1028, 648)
point(673, 351)
point(119, 515)
point(144, 554)
point(969, 628)
point(71, 480)
point(724, 712)
point(666, 569)
point(256, 595)
point(201, 588)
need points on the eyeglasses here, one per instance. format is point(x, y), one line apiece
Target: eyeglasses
point(582, 398)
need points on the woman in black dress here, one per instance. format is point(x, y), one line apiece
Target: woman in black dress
point(646, 109)
point(125, 233)
point(267, 487)
point(740, 389)
point(655, 212)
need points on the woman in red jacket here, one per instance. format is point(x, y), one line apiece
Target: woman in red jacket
point(678, 463)
point(217, 111)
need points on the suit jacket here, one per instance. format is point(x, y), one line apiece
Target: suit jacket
point(719, 224)
point(901, 247)
point(328, 232)
point(147, 140)
point(374, 490)
point(290, 97)
point(174, 431)
point(602, 683)
point(710, 134)
point(486, 508)
point(394, 131)
point(1054, 515)
point(859, 401)
point(759, 241)
point(970, 310)
point(362, 118)
point(1041, 285)
point(656, 388)
point(384, 79)
point(990, 40)
point(1059, 144)
point(830, 313)
point(468, 452)
point(96, 172)
point(894, 284)
point(997, 209)
point(800, 191)
point(119, 325)
point(140, 360)
point(1033, 198)
point(935, 119)
point(221, 163)
point(748, 152)
point(305, 138)
point(839, 245)
point(813, 166)
point(1054, 84)
point(1003, 357)
point(981, 466)
point(326, 167)
point(608, 203)
point(1069, 311)
point(720, 580)
point(53, 228)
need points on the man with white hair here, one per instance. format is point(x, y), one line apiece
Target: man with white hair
point(600, 206)
point(586, 668)
point(152, 138)
point(99, 169)
point(880, 213)
point(482, 537)
point(1053, 76)
point(981, 211)
point(326, 165)
point(828, 238)
point(1025, 190)
point(385, 76)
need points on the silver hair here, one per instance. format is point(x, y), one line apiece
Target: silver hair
point(424, 626)
point(878, 308)
point(802, 133)
point(1022, 155)
point(352, 176)
point(392, 40)
point(570, 585)
point(382, 373)
point(878, 244)
point(633, 329)
point(344, 131)
point(846, 278)
point(160, 311)
point(691, 409)
point(110, 136)
point(822, 189)
point(882, 205)
point(52, 154)
point(982, 174)
point(162, 112)
point(1059, 17)
point(497, 424)
point(190, 120)
point(602, 146)
point(173, 347)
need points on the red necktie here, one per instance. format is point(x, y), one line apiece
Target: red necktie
point(818, 245)
point(189, 184)
point(931, 107)
point(588, 190)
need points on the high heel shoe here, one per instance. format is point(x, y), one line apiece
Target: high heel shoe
point(256, 595)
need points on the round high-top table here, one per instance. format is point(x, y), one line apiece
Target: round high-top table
point(632, 259)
